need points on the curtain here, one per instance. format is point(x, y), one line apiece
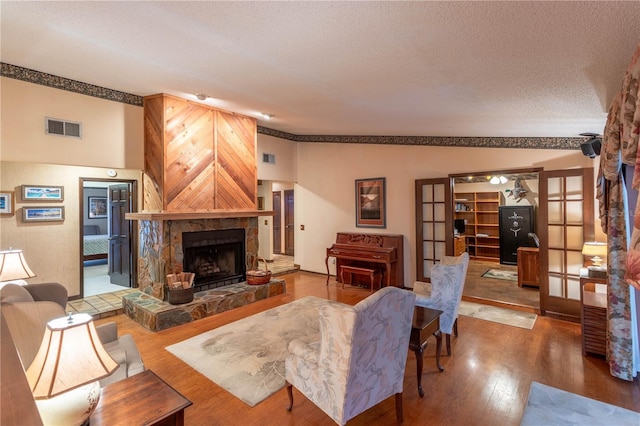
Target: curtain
point(620, 146)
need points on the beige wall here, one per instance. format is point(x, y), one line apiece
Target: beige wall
point(324, 175)
point(112, 132)
point(327, 173)
point(52, 249)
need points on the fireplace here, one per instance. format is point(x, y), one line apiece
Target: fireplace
point(217, 257)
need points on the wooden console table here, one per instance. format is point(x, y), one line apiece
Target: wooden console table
point(142, 399)
point(528, 266)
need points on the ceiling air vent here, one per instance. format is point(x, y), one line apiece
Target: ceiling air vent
point(269, 158)
point(54, 126)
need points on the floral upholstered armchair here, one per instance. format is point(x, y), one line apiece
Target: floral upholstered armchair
point(447, 283)
point(360, 358)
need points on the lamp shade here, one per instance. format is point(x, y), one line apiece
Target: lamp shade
point(13, 266)
point(71, 355)
point(594, 249)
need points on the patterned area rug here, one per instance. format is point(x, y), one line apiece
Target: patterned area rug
point(550, 406)
point(496, 314)
point(501, 275)
point(247, 357)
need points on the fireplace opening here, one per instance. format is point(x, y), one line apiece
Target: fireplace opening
point(216, 257)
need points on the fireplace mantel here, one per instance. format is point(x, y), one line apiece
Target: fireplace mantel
point(196, 214)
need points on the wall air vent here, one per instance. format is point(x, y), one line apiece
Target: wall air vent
point(54, 126)
point(269, 158)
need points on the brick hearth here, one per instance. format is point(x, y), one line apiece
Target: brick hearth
point(156, 315)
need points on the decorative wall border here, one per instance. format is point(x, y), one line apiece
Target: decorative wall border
point(474, 142)
point(44, 79)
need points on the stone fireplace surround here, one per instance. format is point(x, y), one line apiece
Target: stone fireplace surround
point(161, 243)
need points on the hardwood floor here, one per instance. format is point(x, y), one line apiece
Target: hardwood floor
point(486, 379)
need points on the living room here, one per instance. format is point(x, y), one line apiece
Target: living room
point(324, 174)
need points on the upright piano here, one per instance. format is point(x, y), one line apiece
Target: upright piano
point(379, 251)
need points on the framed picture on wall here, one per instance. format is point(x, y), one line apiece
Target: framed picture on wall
point(97, 207)
point(371, 203)
point(7, 203)
point(42, 193)
point(43, 214)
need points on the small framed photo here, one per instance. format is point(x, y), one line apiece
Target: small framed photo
point(42, 193)
point(371, 203)
point(97, 207)
point(7, 203)
point(43, 214)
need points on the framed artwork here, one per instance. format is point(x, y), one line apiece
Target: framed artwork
point(43, 214)
point(42, 193)
point(97, 207)
point(371, 203)
point(7, 203)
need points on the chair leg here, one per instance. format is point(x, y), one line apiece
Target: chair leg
point(448, 338)
point(290, 393)
point(399, 416)
point(455, 327)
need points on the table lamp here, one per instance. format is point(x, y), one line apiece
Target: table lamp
point(13, 267)
point(596, 250)
point(64, 375)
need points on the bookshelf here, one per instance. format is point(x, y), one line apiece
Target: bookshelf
point(479, 210)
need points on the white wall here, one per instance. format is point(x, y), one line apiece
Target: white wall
point(325, 189)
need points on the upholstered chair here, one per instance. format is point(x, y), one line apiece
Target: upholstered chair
point(445, 294)
point(360, 358)
point(28, 308)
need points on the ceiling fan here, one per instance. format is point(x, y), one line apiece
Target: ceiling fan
point(591, 147)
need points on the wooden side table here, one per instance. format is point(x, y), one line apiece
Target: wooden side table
point(528, 266)
point(593, 316)
point(426, 322)
point(142, 399)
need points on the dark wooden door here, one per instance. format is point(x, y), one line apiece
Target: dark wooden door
point(288, 222)
point(120, 259)
point(277, 222)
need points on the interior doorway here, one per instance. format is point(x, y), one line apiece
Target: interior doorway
point(106, 243)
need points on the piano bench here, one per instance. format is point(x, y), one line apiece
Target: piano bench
point(373, 274)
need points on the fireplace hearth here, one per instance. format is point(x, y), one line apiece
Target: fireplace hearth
point(217, 257)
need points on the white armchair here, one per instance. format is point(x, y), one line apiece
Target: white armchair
point(447, 283)
point(360, 358)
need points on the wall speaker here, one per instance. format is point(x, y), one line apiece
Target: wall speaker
point(591, 148)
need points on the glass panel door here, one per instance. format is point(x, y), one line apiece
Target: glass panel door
point(567, 210)
point(434, 224)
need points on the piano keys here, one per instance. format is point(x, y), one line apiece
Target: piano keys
point(381, 251)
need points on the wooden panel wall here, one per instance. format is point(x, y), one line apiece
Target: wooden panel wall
point(236, 158)
point(198, 157)
point(153, 152)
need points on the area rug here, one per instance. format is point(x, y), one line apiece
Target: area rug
point(496, 314)
point(501, 275)
point(247, 357)
point(550, 406)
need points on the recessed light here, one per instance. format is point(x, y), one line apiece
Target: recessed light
point(266, 116)
point(201, 96)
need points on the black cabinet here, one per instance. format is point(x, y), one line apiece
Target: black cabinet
point(515, 224)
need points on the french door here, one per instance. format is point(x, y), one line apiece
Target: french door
point(567, 221)
point(434, 223)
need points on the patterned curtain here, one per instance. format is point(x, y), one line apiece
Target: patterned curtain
point(620, 146)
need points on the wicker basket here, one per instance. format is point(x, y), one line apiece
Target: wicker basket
point(258, 277)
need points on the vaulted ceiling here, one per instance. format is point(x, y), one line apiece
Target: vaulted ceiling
point(468, 69)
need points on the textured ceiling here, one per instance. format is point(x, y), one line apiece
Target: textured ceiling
point(488, 69)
